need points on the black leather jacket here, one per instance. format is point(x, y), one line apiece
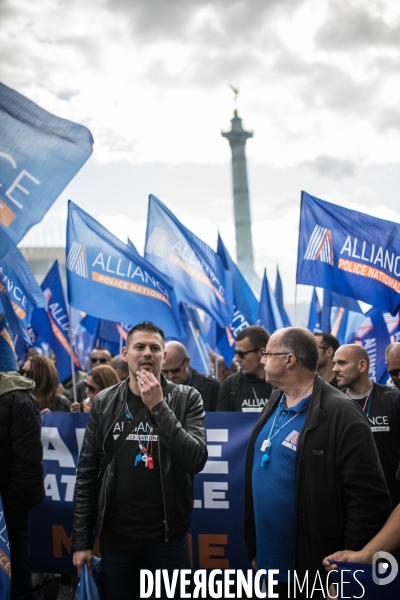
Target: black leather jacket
point(180, 423)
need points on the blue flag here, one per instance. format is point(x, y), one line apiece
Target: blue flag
point(111, 335)
point(22, 347)
point(108, 280)
point(393, 326)
point(200, 278)
point(132, 246)
point(52, 323)
point(210, 330)
point(39, 155)
point(315, 314)
point(7, 350)
point(350, 253)
point(245, 306)
point(268, 311)
point(326, 311)
point(5, 561)
point(19, 292)
point(279, 299)
point(373, 335)
point(194, 340)
point(345, 323)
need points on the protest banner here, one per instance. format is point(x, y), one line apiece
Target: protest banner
point(215, 540)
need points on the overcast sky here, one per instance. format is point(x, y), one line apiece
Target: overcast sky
point(319, 86)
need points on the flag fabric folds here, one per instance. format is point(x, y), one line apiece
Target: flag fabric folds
point(200, 278)
point(52, 323)
point(245, 306)
point(350, 253)
point(7, 349)
point(279, 299)
point(315, 314)
point(19, 292)
point(108, 280)
point(373, 335)
point(268, 311)
point(5, 560)
point(194, 340)
point(39, 155)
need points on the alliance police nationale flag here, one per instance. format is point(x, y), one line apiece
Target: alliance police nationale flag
point(200, 278)
point(350, 253)
point(373, 335)
point(52, 323)
point(19, 292)
point(39, 155)
point(245, 306)
point(269, 316)
point(108, 280)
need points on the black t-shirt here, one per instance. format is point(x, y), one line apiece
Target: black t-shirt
point(382, 409)
point(134, 518)
point(244, 393)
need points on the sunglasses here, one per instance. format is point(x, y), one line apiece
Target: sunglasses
point(174, 371)
point(91, 388)
point(394, 372)
point(241, 354)
point(99, 360)
point(27, 374)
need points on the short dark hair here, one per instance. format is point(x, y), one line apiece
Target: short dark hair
point(102, 348)
point(145, 326)
point(302, 343)
point(256, 334)
point(329, 340)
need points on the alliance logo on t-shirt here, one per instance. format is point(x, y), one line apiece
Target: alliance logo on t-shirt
point(291, 440)
point(253, 404)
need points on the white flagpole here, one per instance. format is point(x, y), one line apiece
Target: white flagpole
point(71, 353)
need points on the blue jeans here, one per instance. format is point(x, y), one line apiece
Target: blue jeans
point(121, 573)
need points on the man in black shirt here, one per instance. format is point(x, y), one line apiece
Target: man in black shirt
point(392, 356)
point(381, 405)
point(247, 390)
point(145, 496)
point(327, 346)
point(176, 368)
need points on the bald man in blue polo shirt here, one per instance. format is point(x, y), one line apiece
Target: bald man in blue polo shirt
point(313, 475)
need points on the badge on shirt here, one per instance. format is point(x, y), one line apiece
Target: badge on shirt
point(291, 440)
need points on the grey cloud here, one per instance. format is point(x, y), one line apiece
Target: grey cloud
point(348, 28)
point(389, 120)
point(66, 95)
point(211, 69)
point(334, 88)
point(331, 166)
point(289, 63)
point(169, 20)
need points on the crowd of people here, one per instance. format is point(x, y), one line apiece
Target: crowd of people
point(322, 469)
